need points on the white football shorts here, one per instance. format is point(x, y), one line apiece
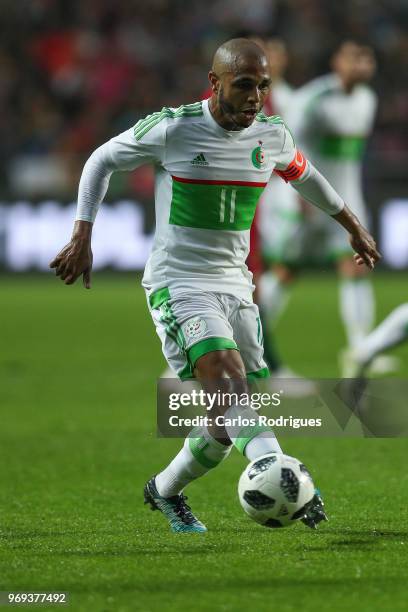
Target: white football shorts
point(192, 323)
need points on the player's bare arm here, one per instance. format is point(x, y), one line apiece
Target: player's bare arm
point(76, 257)
point(360, 239)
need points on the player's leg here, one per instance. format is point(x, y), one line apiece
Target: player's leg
point(356, 295)
point(189, 326)
point(391, 332)
point(271, 353)
point(281, 234)
point(294, 384)
point(356, 299)
point(224, 372)
point(248, 334)
point(275, 285)
point(280, 226)
point(218, 369)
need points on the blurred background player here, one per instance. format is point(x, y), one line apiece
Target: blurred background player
point(276, 229)
point(279, 210)
point(332, 117)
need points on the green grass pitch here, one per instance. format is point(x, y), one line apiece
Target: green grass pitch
point(77, 443)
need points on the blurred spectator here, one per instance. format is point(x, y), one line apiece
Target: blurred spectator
point(74, 73)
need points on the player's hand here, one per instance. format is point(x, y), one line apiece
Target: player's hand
point(365, 248)
point(76, 257)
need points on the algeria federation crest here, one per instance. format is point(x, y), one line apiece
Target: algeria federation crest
point(258, 156)
point(195, 327)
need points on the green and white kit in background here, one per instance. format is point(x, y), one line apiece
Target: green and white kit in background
point(208, 182)
point(279, 220)
point(331, 126)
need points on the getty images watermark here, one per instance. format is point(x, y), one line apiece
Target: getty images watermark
point(210, 400)
point(213, 402)
point(331, 408)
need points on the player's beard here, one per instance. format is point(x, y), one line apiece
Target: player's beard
point(228, 110)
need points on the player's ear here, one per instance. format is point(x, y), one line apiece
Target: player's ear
point(214, 81)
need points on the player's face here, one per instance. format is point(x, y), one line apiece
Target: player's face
point(345, 63)
point(354, 64)
point(241, 94)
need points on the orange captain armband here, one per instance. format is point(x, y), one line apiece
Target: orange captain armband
point(295, 169)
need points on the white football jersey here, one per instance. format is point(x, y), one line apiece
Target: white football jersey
point(331, 126)
point(208, 182)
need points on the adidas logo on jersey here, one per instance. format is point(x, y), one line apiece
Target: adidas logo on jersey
point(199, 161)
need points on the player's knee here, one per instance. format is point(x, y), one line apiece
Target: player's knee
point(219, 365)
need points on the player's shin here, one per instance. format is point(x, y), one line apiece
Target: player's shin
point(253, 440)
point(200, 453)
point(357, 308)
point(273, 296)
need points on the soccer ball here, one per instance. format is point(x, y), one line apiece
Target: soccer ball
point(275, 490)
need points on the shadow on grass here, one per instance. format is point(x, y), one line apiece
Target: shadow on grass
point(173, 545)
point(357, 539)
point(388, 534)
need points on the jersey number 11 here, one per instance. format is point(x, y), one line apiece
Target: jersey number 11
point(223, 203)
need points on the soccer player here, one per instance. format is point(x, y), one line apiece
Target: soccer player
point(279, 210)
point(331, 118)
point(278, 225)
point(212, 160)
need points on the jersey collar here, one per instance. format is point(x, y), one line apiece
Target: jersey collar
point(231, 134)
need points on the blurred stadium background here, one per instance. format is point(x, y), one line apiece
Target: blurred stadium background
point(73, 74)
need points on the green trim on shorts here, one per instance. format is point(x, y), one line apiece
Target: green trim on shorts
point(207, 346)
point(263, 373)
point(247, 434)
point(186, 373)
point(172, 327)
point(160, 299)
point(159, 296)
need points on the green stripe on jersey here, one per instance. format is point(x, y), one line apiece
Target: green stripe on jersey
point(342, 147)
point(273, 120)
point(187, 110)
point(218, 207)
point(268, 119)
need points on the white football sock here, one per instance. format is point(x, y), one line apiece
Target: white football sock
point(273, 296)
point(264, 442)
point(392, 331)
point(251, 440)
point(357, 308)
point(199, 454)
